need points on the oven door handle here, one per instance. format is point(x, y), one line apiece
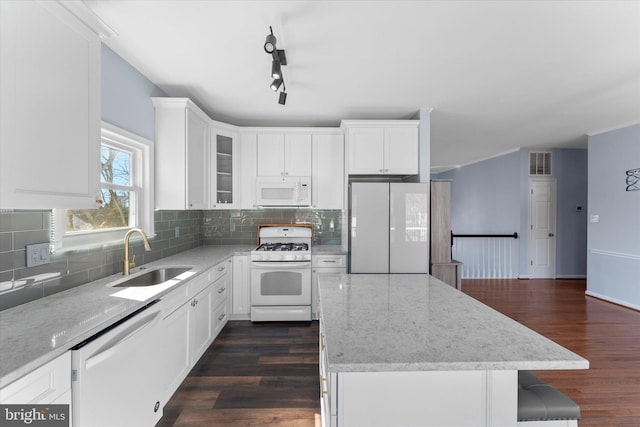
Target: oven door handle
point(289, 265)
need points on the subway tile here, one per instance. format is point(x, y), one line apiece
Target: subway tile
point(85, 262)
point(6, 242)
point(22, 221)
point(64, 283)
point(24, 238)
point(20, 296)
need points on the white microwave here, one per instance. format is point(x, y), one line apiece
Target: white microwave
point(283, 191)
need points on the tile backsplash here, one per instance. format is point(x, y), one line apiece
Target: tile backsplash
point(240, 226)
point(176, 231)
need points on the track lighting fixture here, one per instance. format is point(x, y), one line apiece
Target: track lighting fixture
point(278, 59)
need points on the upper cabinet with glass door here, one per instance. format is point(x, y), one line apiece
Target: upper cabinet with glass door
point(223, 167)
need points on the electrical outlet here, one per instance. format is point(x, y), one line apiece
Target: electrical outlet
point(38, 254)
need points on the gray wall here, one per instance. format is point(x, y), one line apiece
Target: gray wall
point(492, 197)
point(571, 230)
point(126, 96)
point(614, 242)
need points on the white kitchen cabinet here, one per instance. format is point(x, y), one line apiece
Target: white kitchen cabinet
point(221, 288)
point(327, 172)
point(241, 305)
point(176, 360)
point(182, 132)
point(284, 154)
point(324, 264)
point(49, 107)
point(50, 383)
point(247, 181)
point(389, 147)
point(200, 325)
point(187, 329)
point(328, 386)
point(224, 171)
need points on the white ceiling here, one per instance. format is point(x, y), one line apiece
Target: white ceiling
point(498, 75)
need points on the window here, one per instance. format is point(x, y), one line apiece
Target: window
point(126, 194)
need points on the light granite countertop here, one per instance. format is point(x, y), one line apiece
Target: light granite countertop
point(415, 322)
point(35, 333)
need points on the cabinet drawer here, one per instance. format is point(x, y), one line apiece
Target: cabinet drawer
point(197, 284)
point(220, 317)
point(328, 261)
point(220, 290)
point(219, 270)
point(47, 384)
point(173, 300)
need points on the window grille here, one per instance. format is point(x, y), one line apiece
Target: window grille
point(540, 163)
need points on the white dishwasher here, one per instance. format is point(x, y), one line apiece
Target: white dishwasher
point(115, 378)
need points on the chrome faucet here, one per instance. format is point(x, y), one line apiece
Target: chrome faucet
point(127, 265)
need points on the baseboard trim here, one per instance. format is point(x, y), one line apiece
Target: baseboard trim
point(572, 276)
point(613, 300)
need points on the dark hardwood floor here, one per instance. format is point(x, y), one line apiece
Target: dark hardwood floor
point(262, 374)
point(266, 374)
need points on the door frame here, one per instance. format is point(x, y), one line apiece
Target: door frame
point(554, 215)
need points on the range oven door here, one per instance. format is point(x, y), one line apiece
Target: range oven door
point(280, 283)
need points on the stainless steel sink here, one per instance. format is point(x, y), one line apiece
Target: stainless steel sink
point(153, 277)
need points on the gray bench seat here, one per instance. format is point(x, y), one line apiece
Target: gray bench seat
point(539, 401)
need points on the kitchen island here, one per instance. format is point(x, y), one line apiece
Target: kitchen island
point(411, 350)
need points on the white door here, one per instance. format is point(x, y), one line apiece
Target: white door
point(542, 240)
point(369, 242)
point(409, 228)
point(297, 155)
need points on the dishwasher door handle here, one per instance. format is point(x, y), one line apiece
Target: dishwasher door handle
point(107, 349)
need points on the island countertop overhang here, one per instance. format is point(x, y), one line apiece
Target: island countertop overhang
point(415, 322)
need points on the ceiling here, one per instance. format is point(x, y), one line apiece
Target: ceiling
point(497, 75)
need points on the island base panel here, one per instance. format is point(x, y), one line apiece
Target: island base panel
point(427, 398)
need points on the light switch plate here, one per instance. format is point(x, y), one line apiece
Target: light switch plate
point(38, 254)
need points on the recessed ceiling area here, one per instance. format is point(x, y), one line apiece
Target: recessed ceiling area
point(497, 75)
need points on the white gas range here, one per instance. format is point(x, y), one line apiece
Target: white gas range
point(281, 273)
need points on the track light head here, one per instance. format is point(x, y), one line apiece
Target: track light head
point(283, 98)
point(275, 85)
point(270, 42)
point(276, 72)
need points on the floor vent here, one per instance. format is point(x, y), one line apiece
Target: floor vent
point(540, 163)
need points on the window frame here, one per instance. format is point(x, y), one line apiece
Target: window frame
point(141, 208)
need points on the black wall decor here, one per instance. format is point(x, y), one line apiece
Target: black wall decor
point(633, 179)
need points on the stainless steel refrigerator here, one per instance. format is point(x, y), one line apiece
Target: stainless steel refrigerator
point(388, 227)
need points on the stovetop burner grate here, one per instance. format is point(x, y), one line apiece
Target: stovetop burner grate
point(283, 247)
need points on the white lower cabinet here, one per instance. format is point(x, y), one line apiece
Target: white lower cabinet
point(50, 383)
point(221, 288)
point(193, 315)
point(176, 347)
point(324, 264)
point(241, 304)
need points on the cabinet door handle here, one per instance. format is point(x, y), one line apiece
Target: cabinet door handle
point(221, 268)
point(322, 341)
point(221, 290)
point(222, 316)
point(333, 261)
point(323, 392)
